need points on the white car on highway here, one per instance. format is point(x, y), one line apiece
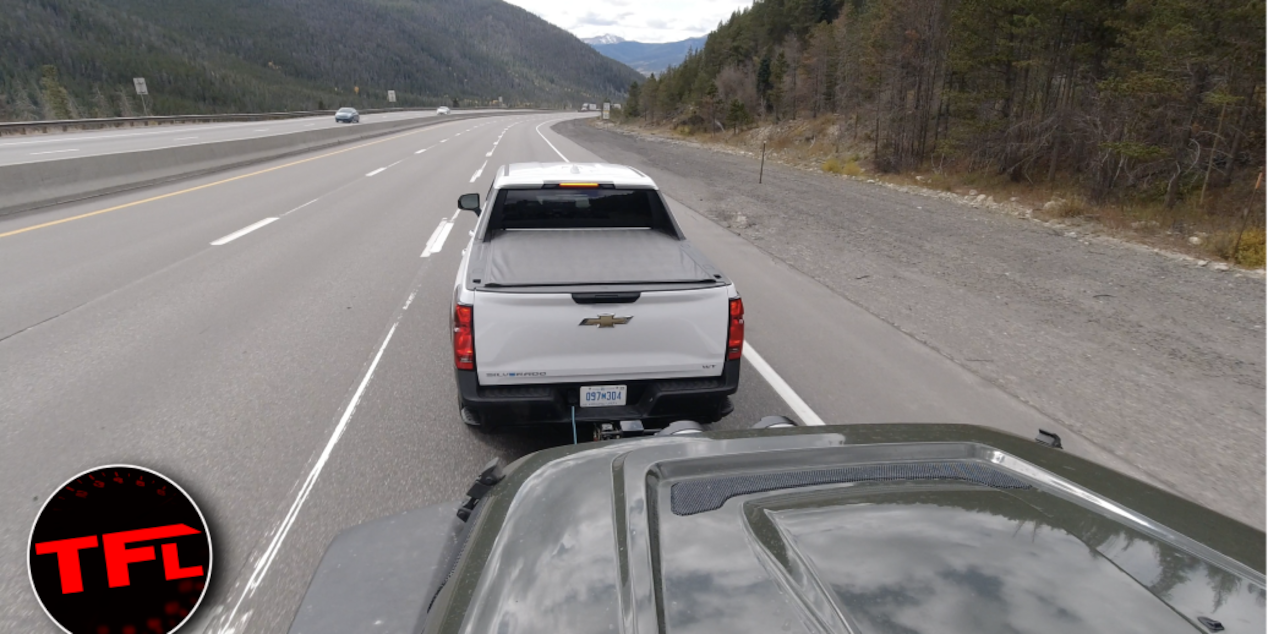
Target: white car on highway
point(442, 110)
point(579, 299)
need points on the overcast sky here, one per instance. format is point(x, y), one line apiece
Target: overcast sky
point(639, 20)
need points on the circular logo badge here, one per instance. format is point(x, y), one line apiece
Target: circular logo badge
point(119, 550)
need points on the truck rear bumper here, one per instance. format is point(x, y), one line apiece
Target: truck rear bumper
point(655, 402)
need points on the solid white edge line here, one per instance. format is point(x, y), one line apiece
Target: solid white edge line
point(432, 239)
point(440, 239)
point(241, 232)
point(376, 171)
point(552, 145)
point(262, 566)
point(785, 391)
point(53, 152)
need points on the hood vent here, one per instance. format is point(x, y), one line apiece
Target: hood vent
point(709, 494)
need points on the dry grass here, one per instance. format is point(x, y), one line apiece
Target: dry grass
point(821, 144)
point(1248, 251)
point(835, 165)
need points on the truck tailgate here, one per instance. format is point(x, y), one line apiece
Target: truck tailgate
point(524, 338)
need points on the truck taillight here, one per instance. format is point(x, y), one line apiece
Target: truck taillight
point(735, 331)
point(463, 338)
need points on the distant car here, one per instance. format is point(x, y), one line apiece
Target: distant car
point(347, 115)
point(442, 110)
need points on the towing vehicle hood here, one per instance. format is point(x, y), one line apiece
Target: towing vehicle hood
point(860, 529)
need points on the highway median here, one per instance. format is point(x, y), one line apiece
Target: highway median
point(28, 186)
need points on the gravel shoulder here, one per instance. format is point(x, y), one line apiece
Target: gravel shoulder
point(1155, 359)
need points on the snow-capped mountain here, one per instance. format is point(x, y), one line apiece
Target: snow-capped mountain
point(603, 39)
point(645, 57)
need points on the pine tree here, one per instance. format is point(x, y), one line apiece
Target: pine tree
point(125, 104)
point(56, 100)
point(23, 108)
point(631, 102)
point(100, 105)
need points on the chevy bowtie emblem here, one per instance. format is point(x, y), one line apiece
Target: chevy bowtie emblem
point(605, 321)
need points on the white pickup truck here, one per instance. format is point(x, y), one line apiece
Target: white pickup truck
point(579, 299)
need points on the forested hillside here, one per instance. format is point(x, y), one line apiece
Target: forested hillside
point(1139, 101)
point(260, 55)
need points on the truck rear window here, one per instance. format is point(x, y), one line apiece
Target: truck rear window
point(579, 209)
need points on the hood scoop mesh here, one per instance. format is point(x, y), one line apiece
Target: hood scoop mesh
point(709, 494)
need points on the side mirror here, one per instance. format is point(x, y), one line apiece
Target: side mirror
point(470, 202)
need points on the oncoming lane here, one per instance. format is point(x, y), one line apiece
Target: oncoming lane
point(53, 146)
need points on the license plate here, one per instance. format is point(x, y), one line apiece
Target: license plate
point(602, 395)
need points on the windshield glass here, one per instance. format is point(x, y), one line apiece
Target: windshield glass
point(578, 208)
point(346, 111)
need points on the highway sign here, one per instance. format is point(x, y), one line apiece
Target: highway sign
point(391, 96)
point(139, 82)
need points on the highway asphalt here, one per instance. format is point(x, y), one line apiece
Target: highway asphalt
point(296, 378)
point(51, 147)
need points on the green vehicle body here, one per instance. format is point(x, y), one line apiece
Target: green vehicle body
point(854, 529)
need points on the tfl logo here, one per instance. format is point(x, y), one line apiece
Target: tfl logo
point(119, 550)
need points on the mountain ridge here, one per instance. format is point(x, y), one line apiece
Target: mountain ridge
point(646, 57)
point(258, 55)
point(607, 38)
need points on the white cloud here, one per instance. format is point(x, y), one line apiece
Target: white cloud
point(643, 21)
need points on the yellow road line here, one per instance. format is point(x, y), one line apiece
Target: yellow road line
point(220, 182)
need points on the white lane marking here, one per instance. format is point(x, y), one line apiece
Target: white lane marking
point(262, 130)
point(552, 145)
point(241, 232)
point(432, 240)
point(479, 171)
point(488, 154)
point(376, 171)
point(410, 300)
point(785, 391)
point(187, 138)
point(262, 566)
point(440, 239)
point(308, 125)
point(443, 140)
point(301, 206)
point(394, 164)
point(52, 152)
point(424, 150)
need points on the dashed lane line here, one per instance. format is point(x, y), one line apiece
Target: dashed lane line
point(242, 232)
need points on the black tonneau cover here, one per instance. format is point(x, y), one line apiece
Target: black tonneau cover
point(584, 257)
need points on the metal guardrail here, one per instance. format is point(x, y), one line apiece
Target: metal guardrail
point(66, 125)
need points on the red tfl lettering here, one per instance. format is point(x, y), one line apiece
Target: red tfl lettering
point(68, 559)
point(118, 555)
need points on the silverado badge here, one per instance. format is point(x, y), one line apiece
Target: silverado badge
point(606, 320)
